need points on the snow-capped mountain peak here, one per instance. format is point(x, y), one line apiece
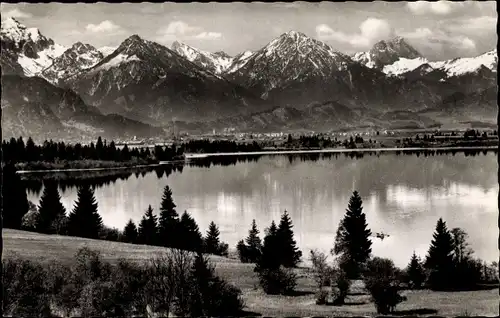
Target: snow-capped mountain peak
point(78, 57)
point(106, 50)
point(26, 50)
point(216, 63)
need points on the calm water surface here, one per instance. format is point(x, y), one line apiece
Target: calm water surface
point(403, 196)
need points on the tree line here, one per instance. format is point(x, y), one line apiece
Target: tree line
point(50, 217)
point(448, 265)
point(207, 146)
point(16, 150)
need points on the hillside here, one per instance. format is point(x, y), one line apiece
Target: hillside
point(43, 248)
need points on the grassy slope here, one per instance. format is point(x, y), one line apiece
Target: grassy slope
point(46, 247)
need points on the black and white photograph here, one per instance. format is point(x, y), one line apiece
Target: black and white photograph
point(249, 159)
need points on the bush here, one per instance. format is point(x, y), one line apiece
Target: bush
point(321, 297)
point(322, 271)
point(25, 292)
point(280, 281)
point(340, 288)
point(381, 282)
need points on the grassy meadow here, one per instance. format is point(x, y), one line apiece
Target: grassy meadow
point(40, 247)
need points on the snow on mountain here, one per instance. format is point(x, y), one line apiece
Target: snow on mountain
point(216, 63)
point(78, 57)
point(386, 53)
point(239, 61)
point(293, 56)
point(106, 50)
point(451, 68)
point(27, 47)
point(116, 61)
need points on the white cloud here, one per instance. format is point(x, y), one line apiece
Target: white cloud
point(106, 26)
point(181, 30)
point(372, 30)
point(435, 7)
point(440, 40)
point(473, 25)
point(16, 13)
point(209, 35)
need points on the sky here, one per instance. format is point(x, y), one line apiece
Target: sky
point(438, 30)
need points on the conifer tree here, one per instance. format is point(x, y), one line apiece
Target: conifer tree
point(353, 242)
point(14, 199)
point(168, 222)
point(50, 209)
point(439, 258)
point(130, 232)
point(254, 243)
point(212, 244)
point(148, 228)
point(288, 252)
point(415, 272)
point(269, 258)
point(190, 237)
point(84, 220)
point(242, 251)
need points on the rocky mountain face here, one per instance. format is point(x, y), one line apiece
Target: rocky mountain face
point(217, 63)
point(75, 59)
point(146, 81)
point(386, 52)
point(25, 50)
point(294, 82)
point(31, 106)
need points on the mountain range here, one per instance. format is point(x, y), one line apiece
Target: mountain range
point(293, 83)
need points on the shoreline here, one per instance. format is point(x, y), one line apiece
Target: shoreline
point(331, 150)
point(189, 156)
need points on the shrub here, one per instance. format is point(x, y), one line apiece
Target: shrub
point(25, 292)
point(321, 297)
point(279, 281)
point(340, 288)
point(381, 281)
point(322, 271)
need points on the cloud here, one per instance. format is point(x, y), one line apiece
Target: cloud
point(439, 41)
point(437, 7)
point(372, 30)
point(472, 26)
point(181, 30)
point(106, 26)
point(209, 35)
point(16, 13)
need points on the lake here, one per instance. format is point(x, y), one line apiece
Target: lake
point(403, 196)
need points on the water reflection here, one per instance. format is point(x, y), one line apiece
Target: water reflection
point(403, 195)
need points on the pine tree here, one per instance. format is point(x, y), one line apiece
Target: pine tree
point(202, 276)
point(242, 251)
point(84, 220)
point(353, 242)
point(212, 242)
point(254, 244)
point(148, 228)
point(50, 209)
point(288, 252)
point(14, 199)
point(270, 248)
point(415, 272)
point(168, 222)
point(439, 258)
point(130, 233)
point(190, 237)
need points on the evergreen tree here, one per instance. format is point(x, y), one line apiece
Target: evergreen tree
point(148, 228)
point(270, 247)
point(168, 222)
point(254, 243)
point(242, 251)
point(212, 244)
point(415, 272)
point(14, 199)
point(130, 233)
point(99, 147)
point(439, 258)
point(190, 237)
point(84, 220)
point(353, 242)
point(288, 251)
point(50, 209)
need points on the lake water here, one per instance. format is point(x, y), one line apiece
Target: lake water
point(403, 196)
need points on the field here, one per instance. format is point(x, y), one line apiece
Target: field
point(423, 302)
